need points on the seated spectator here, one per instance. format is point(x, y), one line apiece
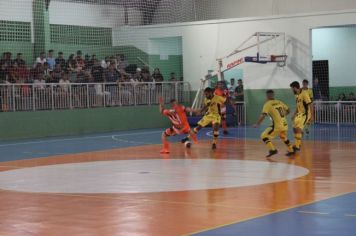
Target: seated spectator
point(342, 97)
point(157, 76)
point(173, 77)
point(50, 60)
point(41, 59)
point(64, 82)
point(19, 59)
point(61, 61)
point(111, 74)
point(47, 71)
point(351, 97)
point(39, 81)
point(71, 63)
point(57, 74)
point(19, 73)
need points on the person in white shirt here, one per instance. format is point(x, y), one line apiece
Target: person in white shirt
point(64, 82)
point(41, 59)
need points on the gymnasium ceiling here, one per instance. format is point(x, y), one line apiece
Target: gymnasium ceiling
point(147, 7)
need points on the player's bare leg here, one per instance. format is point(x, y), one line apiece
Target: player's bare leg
point(224, 123)
point(167, 133)
point(267, 140)
point(192, 135)
point(298, 134)
point(215, 135)
point(284, 138)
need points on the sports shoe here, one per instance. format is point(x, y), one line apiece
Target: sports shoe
point(184, 140)
point(271, 153)
point(296, 149)
point(164, 151)
point(213, 146)
point(289, 154)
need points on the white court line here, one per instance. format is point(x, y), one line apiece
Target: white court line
point(79, 138)
point(210, 134)
point(314, 212)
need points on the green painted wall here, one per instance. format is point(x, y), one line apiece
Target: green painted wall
point(173, 64)
point(256, 98)
point(335, 91)
point(22, 125)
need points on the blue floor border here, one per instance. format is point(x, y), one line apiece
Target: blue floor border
point(335, 216)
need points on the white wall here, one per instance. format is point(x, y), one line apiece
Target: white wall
point(171, 11)
point(338, 46)
point(16, 10)
point(109, 16)
point(165, 46)
point(224, 9)
point(205, 41)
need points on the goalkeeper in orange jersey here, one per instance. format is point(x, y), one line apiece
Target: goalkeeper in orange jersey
point(177, 115)
point(222, 91)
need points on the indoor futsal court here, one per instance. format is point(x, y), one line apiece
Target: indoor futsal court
point(177, 118)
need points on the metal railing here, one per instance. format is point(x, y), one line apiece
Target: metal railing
point(338, 112)
point(34, 97)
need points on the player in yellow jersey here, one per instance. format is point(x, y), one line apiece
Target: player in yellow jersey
point(277, 111)
point(212, 110)
point(303, 113)
point(310, 92)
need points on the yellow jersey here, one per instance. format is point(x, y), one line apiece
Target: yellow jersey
point(277, 110)
point(310, 93)
point(303, 100)
point(214, 104)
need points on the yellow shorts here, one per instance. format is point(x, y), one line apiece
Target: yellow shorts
point(209, 119)
point(300, 121)
point(272, 132)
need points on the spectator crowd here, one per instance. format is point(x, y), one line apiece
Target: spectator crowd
point(76, 69)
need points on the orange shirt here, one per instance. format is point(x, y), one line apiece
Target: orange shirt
point(177, 116)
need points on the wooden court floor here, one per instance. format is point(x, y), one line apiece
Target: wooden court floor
point(331, 166)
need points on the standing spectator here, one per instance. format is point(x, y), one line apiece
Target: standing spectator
point(138, 75)
point(7, 60)
point(97, 72)
point(351, 97)
point(342, 97)
point(122, 63)
point(232, 86)
point(173, 77)
point(111, 75)
point(60, 60)
point(79, 60)
point(157, 76)
point(41, 59)
point(90, 63)
point(19, 59)
point(317, 90)
point(239, 91)
point(50, 60)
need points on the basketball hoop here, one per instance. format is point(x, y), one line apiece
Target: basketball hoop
point(279, 59)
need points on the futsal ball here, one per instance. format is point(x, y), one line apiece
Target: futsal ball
point(187, 144)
